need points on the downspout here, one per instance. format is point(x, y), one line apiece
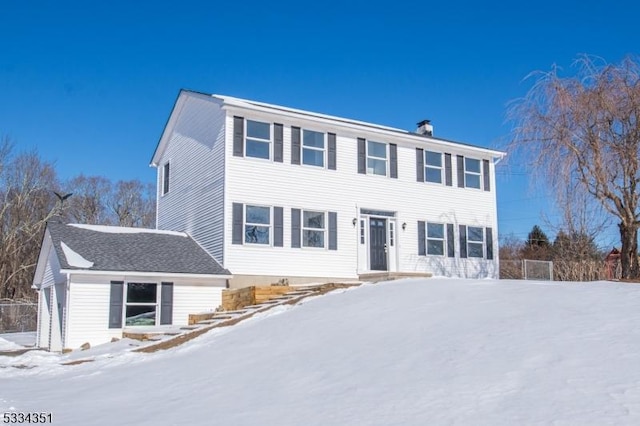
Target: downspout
point(67, 294)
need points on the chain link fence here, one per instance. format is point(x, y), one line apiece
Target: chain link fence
point(559, 270)
point(18, 316)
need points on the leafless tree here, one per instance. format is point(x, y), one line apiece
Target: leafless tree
point(133, 204)
point(26, 203)
point(88, 204)
point(583, 132)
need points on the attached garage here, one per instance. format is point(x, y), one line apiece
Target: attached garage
point(94, 282)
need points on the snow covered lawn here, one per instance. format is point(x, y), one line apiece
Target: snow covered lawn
point(410, 352)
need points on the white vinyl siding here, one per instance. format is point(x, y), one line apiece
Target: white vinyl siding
point(197, 151)
point(192, 298)
point(88, 314)
point(201, 195)
point(344, 192)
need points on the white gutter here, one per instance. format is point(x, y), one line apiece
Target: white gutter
point(143, 274)
point(358, 126)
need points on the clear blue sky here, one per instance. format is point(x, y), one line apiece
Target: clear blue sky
point(91, 87)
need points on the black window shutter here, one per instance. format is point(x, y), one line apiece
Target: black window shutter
point(448, 178)
point(277, 142)
point(451, 242)
point(463, 241)
point(420, 164)
point(238, 136)
point(489, 238)
point(333, 231)
point(485, 175)
point(295, 228)
point(460, 164)
point(278, 227)
point(116, 304)
point(362, 156)
point(331, 162)
point(295, 145)
point(393, 156)
point(166, 303)
point(237, 220)
point(422, 242)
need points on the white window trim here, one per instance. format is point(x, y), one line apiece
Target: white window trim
point(162, 180)
point(262, 225)
point(313, 148)
point(373, 157)
point(269, 141)
point(482, 243)
point(427, 166)
point(443, 239)
point(125, 303)
point(479, 174)
point(304, 228)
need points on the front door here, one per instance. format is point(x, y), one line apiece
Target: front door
point(378, 244)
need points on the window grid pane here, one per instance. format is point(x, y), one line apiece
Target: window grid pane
point(377, 167)
point(435, 247)
point(433, 175)
point(472, 180)
point(313, 157)
point(377, 150)
point(313, 139)
point(475, 250)
point(472, 165)
point(258, 130)
point(257, 149)
point(313, 219)
point(433, 159)
point(475, 234)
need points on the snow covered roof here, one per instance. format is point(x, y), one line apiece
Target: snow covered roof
point(113, 248)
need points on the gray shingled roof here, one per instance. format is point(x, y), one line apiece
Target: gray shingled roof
point(145, 251)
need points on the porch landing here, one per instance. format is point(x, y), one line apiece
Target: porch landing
point(389, 276)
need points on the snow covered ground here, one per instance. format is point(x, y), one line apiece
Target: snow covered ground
point(410, 352)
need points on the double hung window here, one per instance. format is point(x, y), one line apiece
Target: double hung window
point(313, 148)
point(472, 173)
point(475, 241)
point(257, 226)
point(258, 138)
point(435, 239)
point(376, 158)
point(432, 167)
point(313, 229)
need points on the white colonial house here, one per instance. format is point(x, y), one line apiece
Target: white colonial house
point(274, 192)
